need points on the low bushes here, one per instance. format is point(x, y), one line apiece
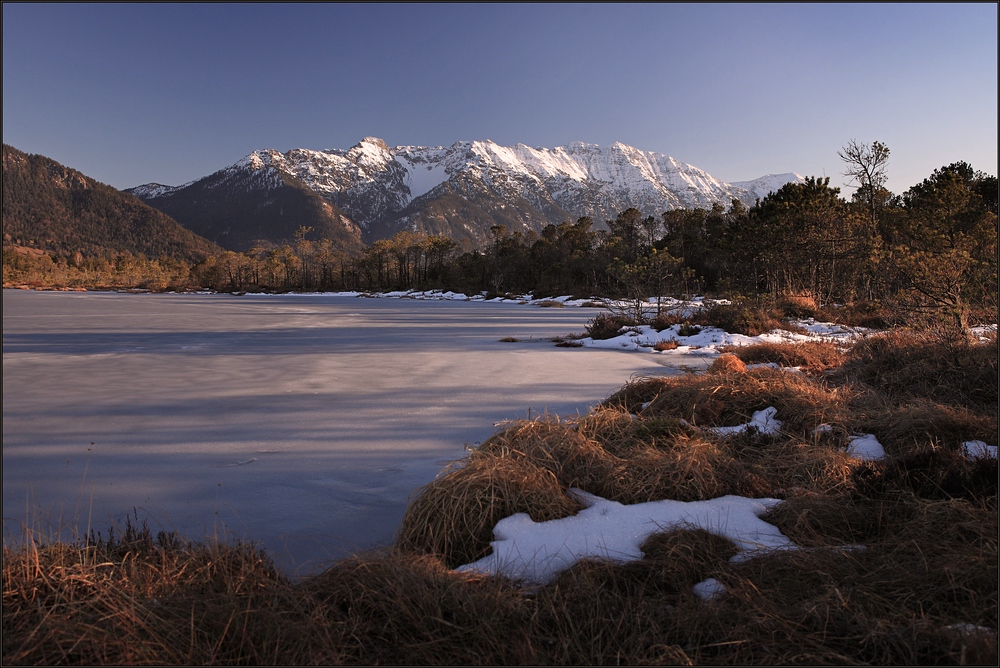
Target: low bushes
point(607, 326)
point(742, 318)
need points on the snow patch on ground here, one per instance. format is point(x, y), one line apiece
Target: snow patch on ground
point(866, 448)
point(979, 450)
point(763, 421)
point(709, 589)
point(536, 552)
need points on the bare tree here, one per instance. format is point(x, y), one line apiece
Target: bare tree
point(866, 167)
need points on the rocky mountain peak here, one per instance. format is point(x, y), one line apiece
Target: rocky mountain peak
point(465, 188)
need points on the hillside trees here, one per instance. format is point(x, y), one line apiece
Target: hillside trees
point(54, 208)
point(931, 251)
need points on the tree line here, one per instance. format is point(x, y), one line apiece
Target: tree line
point(931, 249)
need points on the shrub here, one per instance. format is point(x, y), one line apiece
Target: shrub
point(607, 326)
point(665, 321)
point(727, 363)
point(740, 319)
point(687, 329)
point(797, 306)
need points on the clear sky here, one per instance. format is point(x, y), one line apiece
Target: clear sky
point(168, 93)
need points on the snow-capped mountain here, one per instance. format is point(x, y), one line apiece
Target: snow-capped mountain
point(463, 189)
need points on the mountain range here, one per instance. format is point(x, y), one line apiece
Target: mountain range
point(371, 191)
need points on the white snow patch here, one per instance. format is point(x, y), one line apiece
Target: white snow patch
point(421, 178)
point(865, 447)
point(537, 551)
point(763, 421)
point(979, 450)
point(709, 589)
point(965, 628)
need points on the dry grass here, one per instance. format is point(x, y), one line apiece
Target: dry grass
point(454, 515)
point(897, 561)
point(730, 398)
point(812, 356)
point(727, 363)
point(140, 600)
point(906, 365)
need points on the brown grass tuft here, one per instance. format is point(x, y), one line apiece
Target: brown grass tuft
point(137, 600)
point(922, 423)
point(554, 446)
point(813, 356)
point(727, 363)
point(908, 365)
point(724, 399)
point(633, 395)
point(797, 306)
point(454, 515)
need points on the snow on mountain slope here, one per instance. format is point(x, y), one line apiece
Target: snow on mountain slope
point(765, 185)
point(151, 190)
point(374, 183)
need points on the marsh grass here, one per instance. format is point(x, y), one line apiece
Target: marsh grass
point(897, 559)
point(812, 356)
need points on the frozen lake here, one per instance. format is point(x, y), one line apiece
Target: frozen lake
point(301, 422)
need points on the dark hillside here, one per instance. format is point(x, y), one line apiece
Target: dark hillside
point(240, 210)
point(54, 208)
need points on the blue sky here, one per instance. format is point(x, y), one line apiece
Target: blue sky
point(130, 94)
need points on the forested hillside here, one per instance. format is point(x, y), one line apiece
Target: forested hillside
point(54, 208)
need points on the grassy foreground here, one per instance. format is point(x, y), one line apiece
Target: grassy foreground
point(898, 562)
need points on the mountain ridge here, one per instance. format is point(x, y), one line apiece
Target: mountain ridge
point(383, 189)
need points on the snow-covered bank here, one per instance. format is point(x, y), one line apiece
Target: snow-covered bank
point(709, 340)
